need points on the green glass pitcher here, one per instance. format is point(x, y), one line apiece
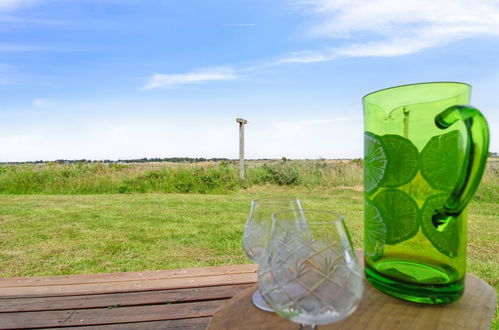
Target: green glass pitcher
point(425, 151)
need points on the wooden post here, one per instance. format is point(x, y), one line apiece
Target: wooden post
point(241, 146)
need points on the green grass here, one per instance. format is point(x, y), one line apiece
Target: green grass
point(213, 178)
point(54, 235)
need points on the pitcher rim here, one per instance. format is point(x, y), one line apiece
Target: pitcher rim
point(415, 84)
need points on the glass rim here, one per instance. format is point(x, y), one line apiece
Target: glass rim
point(338, 217)
point(263, 199)
point(417, 84)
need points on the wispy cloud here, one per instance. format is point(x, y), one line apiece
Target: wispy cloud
point(4, 70)
point(194, 77)
point(321, 121)
point(42, 102)
point(21, 21)
point(243, 24)
point(308, 57)
point(6, 5)
point(393, 27)
point(9, 20)
point(9, 17)
point(5, 67)
point(20, 48)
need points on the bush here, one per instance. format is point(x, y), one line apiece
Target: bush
point(284, 173)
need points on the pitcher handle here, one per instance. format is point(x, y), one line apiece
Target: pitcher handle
point(477, 145)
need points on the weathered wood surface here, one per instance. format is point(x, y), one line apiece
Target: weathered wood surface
point(192, 298)
point(120, 299)
point(174, 299)
point(474, 310)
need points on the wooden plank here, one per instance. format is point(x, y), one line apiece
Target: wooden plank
point(119, 299)
point(377, 310)
point(199, 323)
point(103, 316)
point(127, 276)
point(133, 286)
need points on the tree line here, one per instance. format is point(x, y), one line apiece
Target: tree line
point(121, 161)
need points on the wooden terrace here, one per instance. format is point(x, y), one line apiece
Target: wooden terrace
point(209, 297)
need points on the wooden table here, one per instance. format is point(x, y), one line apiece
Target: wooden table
point(197, 298)
point(377, 311)
point(173, 299)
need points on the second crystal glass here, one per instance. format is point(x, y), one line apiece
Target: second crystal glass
point(257, 231)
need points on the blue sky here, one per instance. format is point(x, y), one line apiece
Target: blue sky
point(109, 79)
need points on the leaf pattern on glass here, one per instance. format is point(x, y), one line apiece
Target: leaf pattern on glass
point(271, 258)
point(300, 268)
point(307, 238)
point(285, 239)
point(328, 265)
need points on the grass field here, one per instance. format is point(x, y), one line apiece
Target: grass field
point(57, 234)
point(68, 233)
point(44, 235)
point(208, 178)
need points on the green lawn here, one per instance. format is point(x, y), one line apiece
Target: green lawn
point(72, 234)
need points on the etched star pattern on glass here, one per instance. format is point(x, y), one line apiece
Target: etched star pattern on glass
point(310, 274)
